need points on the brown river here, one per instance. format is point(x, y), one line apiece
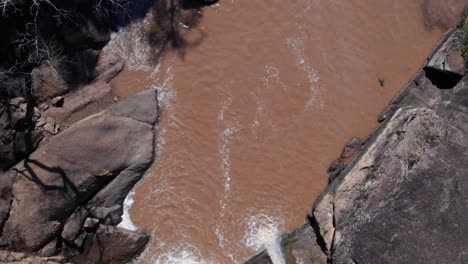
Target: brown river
point(257, 99)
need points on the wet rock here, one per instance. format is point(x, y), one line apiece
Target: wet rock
point(64, 173)
point(112, 245)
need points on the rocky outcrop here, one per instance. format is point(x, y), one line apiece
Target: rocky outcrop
point(111, 245)
point(403, 199)
point(74, 104)
point(85, 171)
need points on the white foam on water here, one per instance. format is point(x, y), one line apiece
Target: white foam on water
point(126, 219)
point(228, 130)
point(264, 232)
point(296, 46)
point(186, 254)
point(131, 44)
point(182, 254)
point(166, 97)
point(260, 109)
point(272, 78)
point(225, 153)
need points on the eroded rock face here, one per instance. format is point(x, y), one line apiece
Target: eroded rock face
point(111, 148)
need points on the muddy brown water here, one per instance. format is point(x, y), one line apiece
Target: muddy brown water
point(255, 109)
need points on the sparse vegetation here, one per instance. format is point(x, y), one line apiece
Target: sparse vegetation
point(37, 32)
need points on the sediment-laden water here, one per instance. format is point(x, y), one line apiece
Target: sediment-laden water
point(257, 99)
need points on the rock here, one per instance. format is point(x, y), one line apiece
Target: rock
point(301, 247)
point(61, 175)
point(24, 258)
point(40, 122)
point(17, 101)
point(43, 107)
point(51, 127)
point(298, 247)
point(74, 224)
point(47, 82)
point(50, 249)
point(17, 118)
point(91, 224)
point(80, 239)
point(335, 169)
point(352, 147)
point(112, 245)
point(58, 101)
point(26, 142)
point(7, 139)
point(78, 100)
point(6, 189)
point(449, 57)
point(261, 258)
point(36, 113)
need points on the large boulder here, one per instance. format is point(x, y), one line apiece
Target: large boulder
point(111, 245)
point(113, 148)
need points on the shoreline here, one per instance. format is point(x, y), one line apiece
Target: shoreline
point(317, 241)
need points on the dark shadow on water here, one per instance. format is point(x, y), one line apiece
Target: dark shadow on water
point(196, 4)
point(171, 21)
point(134, 10)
